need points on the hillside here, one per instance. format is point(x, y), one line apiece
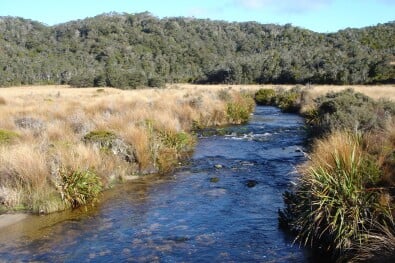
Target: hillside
point(132, 50)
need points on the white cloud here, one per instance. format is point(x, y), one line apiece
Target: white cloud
point(298, 6)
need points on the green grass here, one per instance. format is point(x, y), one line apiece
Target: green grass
point(7, 136)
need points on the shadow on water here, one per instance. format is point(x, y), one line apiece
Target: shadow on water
point(222, 207)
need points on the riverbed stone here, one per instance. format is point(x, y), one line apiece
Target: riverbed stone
point(251, 183)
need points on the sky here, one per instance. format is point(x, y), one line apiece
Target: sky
point(318, 15)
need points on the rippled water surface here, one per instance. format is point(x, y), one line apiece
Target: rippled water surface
point(221, 207)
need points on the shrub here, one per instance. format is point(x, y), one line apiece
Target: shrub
point(265, 97)
point(2, 101)
point(239, 110)
point(349, 110)
point(80, 187)
point(288, 101)
point(7, 136)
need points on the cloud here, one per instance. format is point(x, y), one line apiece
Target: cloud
point(289, 6)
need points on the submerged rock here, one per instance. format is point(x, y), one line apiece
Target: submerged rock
point(214, 180)
point(251, 183)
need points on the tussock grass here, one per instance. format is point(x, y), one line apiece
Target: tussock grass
point(48, 164)
point(344, 201)
point(337, 203)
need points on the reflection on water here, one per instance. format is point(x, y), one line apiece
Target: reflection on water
point(222, 207)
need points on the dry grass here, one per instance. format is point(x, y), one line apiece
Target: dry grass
point(32, 167)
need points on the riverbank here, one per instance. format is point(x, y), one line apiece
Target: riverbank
point(344, 201)
point(60, 146)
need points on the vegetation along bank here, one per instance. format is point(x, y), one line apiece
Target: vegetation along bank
point(344, 202)
point(60, 147)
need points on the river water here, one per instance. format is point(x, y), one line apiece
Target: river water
point(221, 207)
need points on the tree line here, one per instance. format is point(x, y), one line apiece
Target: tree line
point(132, 50)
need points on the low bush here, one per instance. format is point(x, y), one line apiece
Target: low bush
point(239, 110)
point(265, 97)
point(287, 101)
point(349, 110)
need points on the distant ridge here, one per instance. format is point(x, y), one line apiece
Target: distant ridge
point(133, 50)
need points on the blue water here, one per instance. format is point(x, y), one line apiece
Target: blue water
point(221, 207)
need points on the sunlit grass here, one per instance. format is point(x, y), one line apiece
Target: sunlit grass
point(45, 159)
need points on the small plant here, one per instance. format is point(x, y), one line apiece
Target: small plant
point(180, 141)
point(101, 90)
point(80, 187)
point(7, 136)
point(239, 109)
point(2, 101)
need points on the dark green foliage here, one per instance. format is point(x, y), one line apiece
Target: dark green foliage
point(349, 110)
point(156, 82)
point(130, 51)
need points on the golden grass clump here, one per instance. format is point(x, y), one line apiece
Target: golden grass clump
point(338, 201)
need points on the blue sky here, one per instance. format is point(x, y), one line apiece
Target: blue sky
point(318, 15)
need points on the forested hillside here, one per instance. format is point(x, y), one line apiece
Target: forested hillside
point(125, 50)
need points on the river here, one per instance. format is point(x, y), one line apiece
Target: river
point(221, 207)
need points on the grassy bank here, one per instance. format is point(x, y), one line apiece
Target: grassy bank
point(344, 202)
point(60, 147)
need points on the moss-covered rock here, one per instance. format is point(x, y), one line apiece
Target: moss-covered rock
point(109, 141)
